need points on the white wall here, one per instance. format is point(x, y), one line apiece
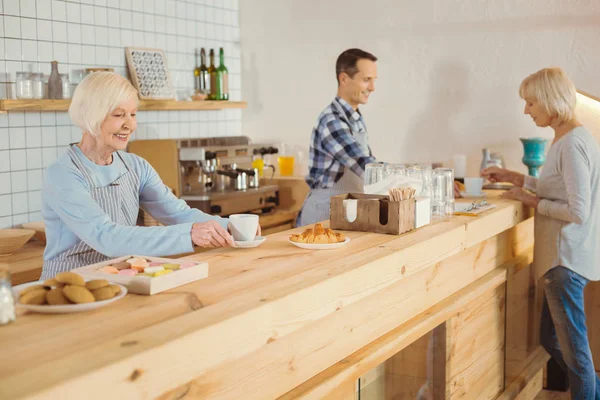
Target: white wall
point(449, 70)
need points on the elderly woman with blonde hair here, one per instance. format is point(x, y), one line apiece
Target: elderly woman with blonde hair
point(567, 222)
point(92, 194)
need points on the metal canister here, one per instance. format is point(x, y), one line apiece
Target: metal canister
point(254, 178)
point(241, 181)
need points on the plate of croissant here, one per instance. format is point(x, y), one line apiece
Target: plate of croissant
point(319, 238)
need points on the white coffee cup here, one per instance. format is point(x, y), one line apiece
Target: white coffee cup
point(243, 226)
point(473, 185)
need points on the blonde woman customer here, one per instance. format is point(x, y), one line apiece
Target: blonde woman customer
point(567, 222)
point(92, 194)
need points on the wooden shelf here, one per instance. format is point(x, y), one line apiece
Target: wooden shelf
point(154, 105)
point(162, 105)
point(34, 105)
point(586, 94)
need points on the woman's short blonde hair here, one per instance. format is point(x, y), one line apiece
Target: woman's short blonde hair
point(96, 96)
point(553, 90)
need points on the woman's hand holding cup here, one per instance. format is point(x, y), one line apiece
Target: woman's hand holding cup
point(495, 174)
point(211, 234)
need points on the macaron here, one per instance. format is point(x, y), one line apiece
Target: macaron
point(173, 267)
point(122, 265)
point(109, 269)
point(138, 268)
point(128, 272)
point(155, 264)
point(187, 265)
point(153, 270)
point(163, 272)
point(137, 260)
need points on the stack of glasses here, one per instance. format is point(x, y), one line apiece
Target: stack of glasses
point(437, 184)
point(442, 199)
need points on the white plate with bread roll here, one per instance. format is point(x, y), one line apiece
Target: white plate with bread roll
point(313, 246)
point(319, 238)
point(38, 302)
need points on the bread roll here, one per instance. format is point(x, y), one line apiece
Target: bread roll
point(318, 235)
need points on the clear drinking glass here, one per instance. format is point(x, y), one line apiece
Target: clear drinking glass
point(447, 175)
point(427, 178)
point(438, 202)
point(374, 172)
point(395, 169)
point(422, 172)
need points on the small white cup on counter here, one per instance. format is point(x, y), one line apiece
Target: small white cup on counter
point(473, 185)
point(243, 226)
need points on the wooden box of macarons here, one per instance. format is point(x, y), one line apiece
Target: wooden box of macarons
point(394, 214)
point(146, 275)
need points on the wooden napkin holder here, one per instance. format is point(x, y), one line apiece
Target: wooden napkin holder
point(374, 213)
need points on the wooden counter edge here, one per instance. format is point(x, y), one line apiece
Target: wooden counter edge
point(352, 367)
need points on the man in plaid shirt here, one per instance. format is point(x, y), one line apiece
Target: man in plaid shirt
point(339, 150)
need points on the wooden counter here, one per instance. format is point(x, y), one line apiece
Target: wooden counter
point(26, 264)
point(279, 321)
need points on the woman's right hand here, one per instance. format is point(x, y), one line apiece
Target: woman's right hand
point(211, 234)
point(495, 174)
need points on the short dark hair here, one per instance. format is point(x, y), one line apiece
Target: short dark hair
point(346, 62)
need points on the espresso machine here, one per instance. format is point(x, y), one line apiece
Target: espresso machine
point(214, 175)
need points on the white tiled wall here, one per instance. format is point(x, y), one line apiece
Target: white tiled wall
point(93, 33)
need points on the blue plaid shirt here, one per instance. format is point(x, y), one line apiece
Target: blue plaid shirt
point(334, 148)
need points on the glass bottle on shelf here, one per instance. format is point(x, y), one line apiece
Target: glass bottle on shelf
point(66, 86)
point(37, 85)
point(215, 93)
point(54, 83)
point(223, 77)
point(23, 83)
point(197, 71)
point(204, 75)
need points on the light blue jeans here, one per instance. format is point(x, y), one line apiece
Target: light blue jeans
point(563, 332)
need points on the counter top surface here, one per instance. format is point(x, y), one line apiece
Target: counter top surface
point(251, 298)
point(25, 265)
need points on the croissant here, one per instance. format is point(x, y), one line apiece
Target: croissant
point(318, 235)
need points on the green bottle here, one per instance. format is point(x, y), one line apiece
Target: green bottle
point(215, 89)
point(223, 77)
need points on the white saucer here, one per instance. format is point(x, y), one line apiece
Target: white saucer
point(247, 244)
point(467, 195)
point(312, 246)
